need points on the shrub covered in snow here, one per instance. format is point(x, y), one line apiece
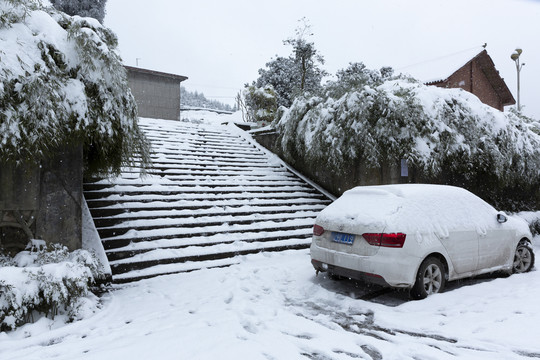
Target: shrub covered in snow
point(62, 82)
point(261, 104)
point(45, 281)
point(533, 219)
point(90, 8)
point(447, 135)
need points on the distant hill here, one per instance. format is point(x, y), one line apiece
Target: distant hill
point(195, 99)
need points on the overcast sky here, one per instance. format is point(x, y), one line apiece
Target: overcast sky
point(219, 45)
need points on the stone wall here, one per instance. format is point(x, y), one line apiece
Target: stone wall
point(42, 201)
point(358, 174)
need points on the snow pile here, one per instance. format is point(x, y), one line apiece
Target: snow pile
point(46, 281)
point(62, 82)
point(202, 116)
point(445, 133)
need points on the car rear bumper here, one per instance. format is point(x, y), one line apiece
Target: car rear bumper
point(349, 273)
point(400, 272)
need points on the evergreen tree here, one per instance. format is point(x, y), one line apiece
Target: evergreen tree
point(297, 74)
point(195, 99)
point(85, 8)
point(355, 77)
point(262, 99)
point(62, 82)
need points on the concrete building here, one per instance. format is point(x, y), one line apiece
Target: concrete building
point(157, 93)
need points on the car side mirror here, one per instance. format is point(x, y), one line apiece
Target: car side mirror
point(501, 218)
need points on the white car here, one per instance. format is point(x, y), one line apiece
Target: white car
point(417, 237)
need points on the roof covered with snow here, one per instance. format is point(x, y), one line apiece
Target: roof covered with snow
point(440, 68)
point(133, 69)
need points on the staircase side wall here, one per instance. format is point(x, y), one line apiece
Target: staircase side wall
point(358, 174)
point(42, 201)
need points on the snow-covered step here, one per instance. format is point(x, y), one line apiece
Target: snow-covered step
point(172, 196)
point(157, 166)
point(201, 162)
point(168, 228)
point(104, 189)
point(210, 195)
point(197, 193)
point(197, 222)
point(223, 251)
point(176, 152)
point(171, 173)
point(207, 155)
point(136, 248)
point(173, 268)
point(202, 232)
point(237, 212)
point(199, 179)
point(196, 207)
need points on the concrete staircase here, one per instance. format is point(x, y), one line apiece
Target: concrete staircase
point(210, 196)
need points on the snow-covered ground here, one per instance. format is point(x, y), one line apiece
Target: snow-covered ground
point(272, 306)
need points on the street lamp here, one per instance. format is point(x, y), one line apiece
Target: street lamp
point(515, 56)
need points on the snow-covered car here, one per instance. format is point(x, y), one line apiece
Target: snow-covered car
point(417, 237)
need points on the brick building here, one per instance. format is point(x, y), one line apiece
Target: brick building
point(480, 77)
point(157, 93)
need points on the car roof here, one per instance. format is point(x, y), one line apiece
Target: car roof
point(410, 207)
point(417, 192)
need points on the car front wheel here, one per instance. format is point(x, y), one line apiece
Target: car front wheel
point(430, 279)
point(523, 258)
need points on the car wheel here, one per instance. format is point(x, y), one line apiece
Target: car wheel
point(430, 279)
point(523, 258)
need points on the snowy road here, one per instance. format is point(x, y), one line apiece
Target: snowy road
point(271, 306)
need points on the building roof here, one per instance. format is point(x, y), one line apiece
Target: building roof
point(492, 74)
point(180, 78)
point(440, 69)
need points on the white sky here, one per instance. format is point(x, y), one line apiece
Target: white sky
point(219, 45)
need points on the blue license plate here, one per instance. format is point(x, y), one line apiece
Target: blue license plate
point(342, 238)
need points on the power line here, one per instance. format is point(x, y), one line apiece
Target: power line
point(441, 57)
point(212, 86)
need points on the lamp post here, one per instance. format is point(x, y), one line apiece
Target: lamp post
point(515, 56)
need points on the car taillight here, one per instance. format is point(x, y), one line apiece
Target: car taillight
point(318, 230)
point(385, 240)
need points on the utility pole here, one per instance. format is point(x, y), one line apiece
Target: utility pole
point(515, 56)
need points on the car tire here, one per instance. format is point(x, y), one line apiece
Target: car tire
point(430, 279)
point(523, 258)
